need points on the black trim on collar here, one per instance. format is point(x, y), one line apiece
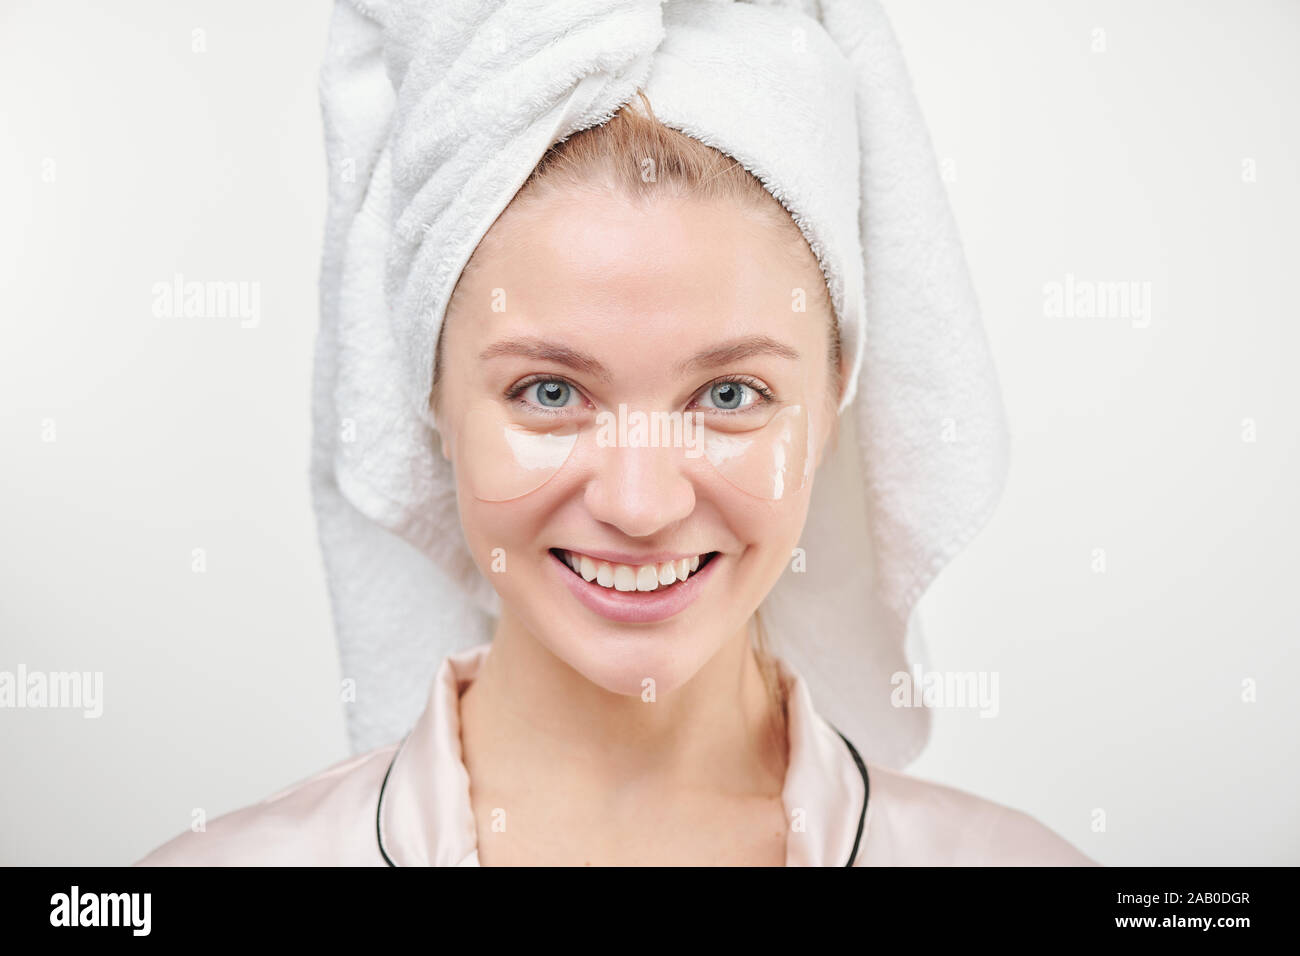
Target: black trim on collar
point(379, 807)
point(866, 795)
point(857, 839)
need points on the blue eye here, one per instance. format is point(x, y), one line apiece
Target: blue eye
point(552, 393)
point(729, 396)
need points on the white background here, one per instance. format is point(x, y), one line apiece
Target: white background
point(126, 157)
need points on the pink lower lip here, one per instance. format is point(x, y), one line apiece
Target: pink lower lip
point(635, 607)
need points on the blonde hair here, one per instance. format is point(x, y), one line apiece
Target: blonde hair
point(770, 669)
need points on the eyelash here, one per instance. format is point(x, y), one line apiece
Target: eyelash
point(515, 391)
point(764, 393)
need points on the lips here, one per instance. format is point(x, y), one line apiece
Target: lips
point(634, 605)
point(646, 576)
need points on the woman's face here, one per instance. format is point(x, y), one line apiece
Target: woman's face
point(576, 305)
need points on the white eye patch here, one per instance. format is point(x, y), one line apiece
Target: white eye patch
point(504, 453)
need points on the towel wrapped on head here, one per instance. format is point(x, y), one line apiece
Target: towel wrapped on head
point(437, 112)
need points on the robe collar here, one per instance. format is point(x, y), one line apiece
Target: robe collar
point(424, 815)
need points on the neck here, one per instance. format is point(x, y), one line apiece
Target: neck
point(528, 715)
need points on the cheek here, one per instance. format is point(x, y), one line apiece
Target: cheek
point(767, 530)
point(499, 533)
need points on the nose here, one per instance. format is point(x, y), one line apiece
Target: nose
point(640, 490)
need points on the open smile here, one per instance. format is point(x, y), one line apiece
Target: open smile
point(635, 593)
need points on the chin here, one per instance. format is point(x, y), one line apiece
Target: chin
point(621, 663)
point(619, 657)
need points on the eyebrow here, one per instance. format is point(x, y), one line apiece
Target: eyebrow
point(550, 352)
point(724, 354)
point(737, 349)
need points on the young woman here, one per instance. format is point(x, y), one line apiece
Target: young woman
point(625, 710)
point(596, 295)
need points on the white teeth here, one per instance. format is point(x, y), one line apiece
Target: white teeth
point(626, 577)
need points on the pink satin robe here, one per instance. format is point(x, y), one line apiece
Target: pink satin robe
point(336, 818)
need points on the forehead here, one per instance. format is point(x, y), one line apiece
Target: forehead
point(595, 265)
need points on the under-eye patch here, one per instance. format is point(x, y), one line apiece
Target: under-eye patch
point(770, 461)
point(504, 453)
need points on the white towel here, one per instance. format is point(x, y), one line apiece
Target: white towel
point(436, 112)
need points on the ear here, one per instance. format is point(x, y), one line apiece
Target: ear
point(845, 369)
point(827, 445)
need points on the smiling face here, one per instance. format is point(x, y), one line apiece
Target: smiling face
point(624, 560)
